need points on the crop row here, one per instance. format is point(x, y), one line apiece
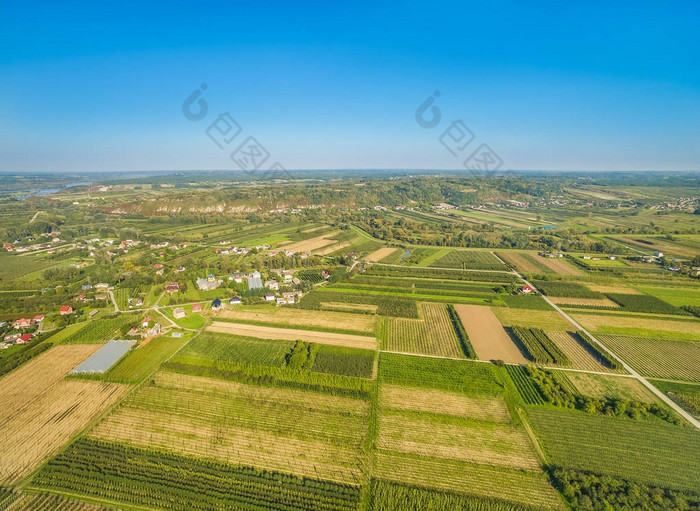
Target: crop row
point(600, 354)
point(566, 289)
point(272, 376)
point(98, 331)
point(540, 347)
point(386, 305)
point(445, 374)
point(465, 259)
point(386, 496)
point(413, 271)
point(526, 388)
point(644, 303)
point(144, 478)
point(344, 361)
point(462, 336)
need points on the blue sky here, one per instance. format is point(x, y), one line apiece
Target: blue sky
point(576, 85)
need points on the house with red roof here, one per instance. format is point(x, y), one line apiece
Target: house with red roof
point(24, 339)
point(196, 308)
point(65, 309)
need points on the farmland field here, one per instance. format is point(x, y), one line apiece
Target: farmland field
point(351, 341)
point(40, 410)
point(228, 347)
point(380, 254)
point(550, 320)
point(445, 440)
point(307, 434)
point(657, 454)
point(435, 373)
point(597, 385)
point(344, 361)
point(631, 325)
point(581, 358)
point(487, 336)
point(657, 358)
point(469, 259)
point(116, 473)
point(431, 335)
point(284, 316)
point(558, 266)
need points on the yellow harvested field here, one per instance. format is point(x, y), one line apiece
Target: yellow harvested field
point(311, 244)
point(287, 430)
point(487, 408)
point(614, 288)
point(610, 322)
point(596, 302)
point(302, 317)
point(380, 254)
point(487, 336)
point(332, 248)
point(291, 334)
point(549, 320)
point(579, 356)
point(557, 265)
point(40, 410)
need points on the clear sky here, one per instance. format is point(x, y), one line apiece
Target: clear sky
point(547, 85)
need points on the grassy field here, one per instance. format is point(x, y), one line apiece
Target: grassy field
point(307, 434)
point(654, 453)
point(431, 335)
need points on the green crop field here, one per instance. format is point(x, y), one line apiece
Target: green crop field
point(374, 398)
point(434, 334)
point(656, 454)
point(145, 359)
point(657, 358)
point(149, 478)
point(97, 331)
point(454, 375)
point(469, 260)
point(344, 361)
point(213, 346)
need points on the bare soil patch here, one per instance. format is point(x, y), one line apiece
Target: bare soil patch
point(490, 340)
